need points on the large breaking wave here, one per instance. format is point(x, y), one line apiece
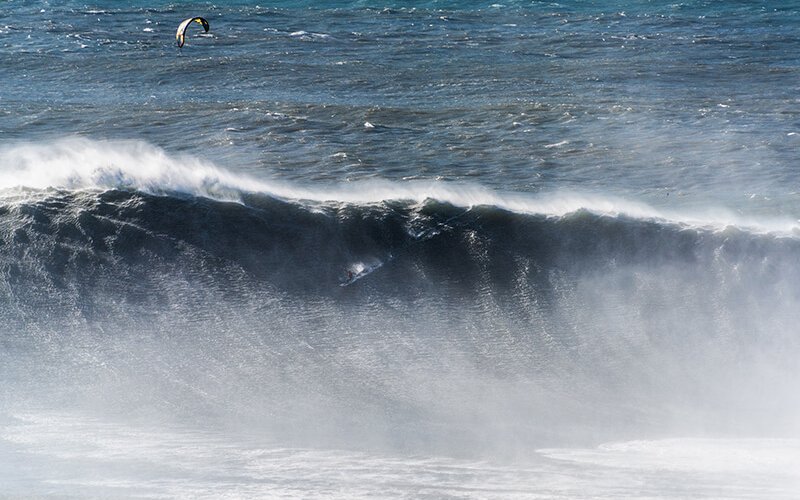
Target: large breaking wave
point(138, 283)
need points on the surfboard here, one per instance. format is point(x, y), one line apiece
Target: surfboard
point(358, 270)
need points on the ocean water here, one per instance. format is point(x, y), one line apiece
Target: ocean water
point(428, 249)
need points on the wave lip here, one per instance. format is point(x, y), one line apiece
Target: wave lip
point(78, 163)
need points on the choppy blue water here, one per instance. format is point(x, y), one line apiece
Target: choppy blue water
point(693, 98)
point(445, 249)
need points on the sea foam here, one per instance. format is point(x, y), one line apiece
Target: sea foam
point(78, 163)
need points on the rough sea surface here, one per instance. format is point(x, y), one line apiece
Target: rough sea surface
point(429, 249)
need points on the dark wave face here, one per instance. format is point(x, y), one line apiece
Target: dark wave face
point(425, 326)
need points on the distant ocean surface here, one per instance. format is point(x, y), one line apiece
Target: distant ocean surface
point(440, 249)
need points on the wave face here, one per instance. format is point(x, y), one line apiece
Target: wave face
point(399, 324)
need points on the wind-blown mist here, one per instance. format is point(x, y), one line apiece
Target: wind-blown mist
point(481, 331)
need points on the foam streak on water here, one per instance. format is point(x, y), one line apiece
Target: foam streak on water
point(90, 457)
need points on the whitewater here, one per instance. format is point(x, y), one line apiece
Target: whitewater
point(359, 249)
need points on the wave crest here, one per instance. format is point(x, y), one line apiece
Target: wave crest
point(78, 163)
